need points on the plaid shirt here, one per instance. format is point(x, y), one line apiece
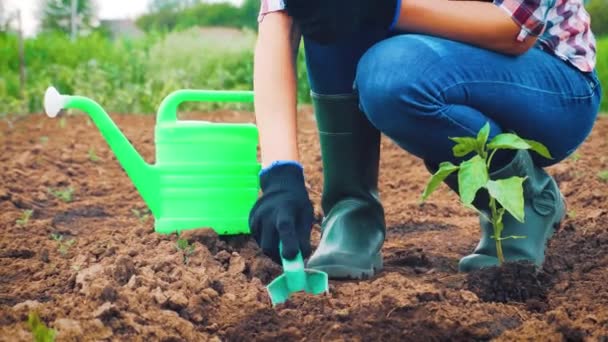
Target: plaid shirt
point(562, 26)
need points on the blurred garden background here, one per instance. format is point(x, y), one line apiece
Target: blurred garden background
point(130, 65)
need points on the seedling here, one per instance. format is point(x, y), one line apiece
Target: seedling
point(186, 248)
point(575, 156)
point(572, 214)
point(62, 122)
point(64, 194)
point(142, 215)
point(44, 139)
point(63, 246)
point(25, 218)
point(603, 176)
point(40, 331)
point(92, 155)
point(506, 195)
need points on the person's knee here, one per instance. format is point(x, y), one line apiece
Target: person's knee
point(391, 80)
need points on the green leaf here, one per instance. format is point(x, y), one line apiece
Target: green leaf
point(508, 141)
point(482, 136)
point(473, 175)
point(464, 146)
point(445, 169)
point(539, 148)
point(40, 331)
point(510, 194)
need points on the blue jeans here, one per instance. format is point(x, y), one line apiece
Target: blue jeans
point(420, 90)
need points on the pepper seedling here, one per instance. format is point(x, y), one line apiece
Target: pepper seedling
point(505, 195)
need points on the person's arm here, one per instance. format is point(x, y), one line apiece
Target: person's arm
point(275, 88)
point(284, 213)
point(478, 23)
point(506, 26)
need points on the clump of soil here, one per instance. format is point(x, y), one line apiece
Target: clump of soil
point(511, 282)
point(111, 277)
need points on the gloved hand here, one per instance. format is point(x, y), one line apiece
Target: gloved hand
point(283, 212)
point(326, 21)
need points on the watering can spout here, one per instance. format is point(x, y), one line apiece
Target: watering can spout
point(141, 173)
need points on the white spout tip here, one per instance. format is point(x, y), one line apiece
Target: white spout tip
point(53, 102)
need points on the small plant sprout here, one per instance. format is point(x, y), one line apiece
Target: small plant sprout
point(505, 195)
point(39, 330)
point(64, 194)
point(25, 218)
point(142, 215)
point(575, 156)
point(62, 122)
point(62, 246)
point(92, 155)
point(186, 248)
point(603, 176)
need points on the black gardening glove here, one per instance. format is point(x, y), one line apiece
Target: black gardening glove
point(326, 21)
point(283, 213)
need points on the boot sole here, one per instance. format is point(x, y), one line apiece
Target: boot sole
point(355, 273)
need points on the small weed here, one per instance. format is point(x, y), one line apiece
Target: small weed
point(40, 331)
point(572, 214)
point(142, 215)
point(62, 122)
point(92, 155)
point(62, 246)
point(603, 175)
point(25, 218)
point(575, 156)
point(186, 248)
point(44, 139)
point(64, 194)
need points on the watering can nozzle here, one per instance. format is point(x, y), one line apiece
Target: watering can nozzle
point(53, 102)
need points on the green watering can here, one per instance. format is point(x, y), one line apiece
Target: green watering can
point(206, 174)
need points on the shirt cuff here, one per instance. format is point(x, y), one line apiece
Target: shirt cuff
point(269, 6)
point(279, 163)
point(529, 24)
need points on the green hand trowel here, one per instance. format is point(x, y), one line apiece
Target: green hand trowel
point(296, 278)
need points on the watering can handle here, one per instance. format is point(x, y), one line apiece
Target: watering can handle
point(167, 112)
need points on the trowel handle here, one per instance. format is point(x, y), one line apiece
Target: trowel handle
point(167, 112)
point(293, 271)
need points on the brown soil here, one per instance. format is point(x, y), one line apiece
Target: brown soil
point(110, 277)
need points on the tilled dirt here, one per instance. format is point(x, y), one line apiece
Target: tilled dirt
point(87, 259)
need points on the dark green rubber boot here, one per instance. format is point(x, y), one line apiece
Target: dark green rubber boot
point(544, 208)
point(353, 229)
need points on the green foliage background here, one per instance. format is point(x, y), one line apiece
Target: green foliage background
point(134, 75)
point(598, 9)
point(602, 69)
point(201, 14)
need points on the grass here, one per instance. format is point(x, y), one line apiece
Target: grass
point(25, 217)
point(133, 76)
point(602, 69)
point(603, 175)
point(64, 194)
point(40, 332)
point(63, 247)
